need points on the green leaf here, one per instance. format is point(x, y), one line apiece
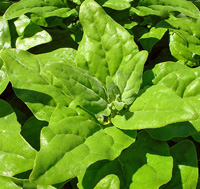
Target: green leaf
point(118, 4)
point(139, 166)
point(30, 34)
point(185, 170)
point(149, 39)
point(31, 131)
point(41, 8)
point(85, 89)
point(71, 143)
point(7, 183)
point(5, 39)
point(157, 107)
point(129, 77)
point(3, 77)
point(33, 84)
point(182, 129)
point(108, 182)
point(164, 8)
point(16, 154)
point(184, 38)
point(105, 45)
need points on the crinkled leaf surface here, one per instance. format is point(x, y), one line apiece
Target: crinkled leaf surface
point(41, 8)
point(185, 170)
point(155, 108)
point(71, 143)
point(5, 39)
point(30, 34)
point(163, 8)
point(105, 45)
point(39, 90)
point(85, 89)
point(129, 77)
point(15, 153)
point(139, 166)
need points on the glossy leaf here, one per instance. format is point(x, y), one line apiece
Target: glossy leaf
point(185, 170)
point(30, 34)
point(149, 39)
point(41, 8)
point(33, 84)
point(164, 8)
point(157, 107)
point(184, 38)
point(3, 77)
point(7, 183)
point(118, 4)
point(79, 142)
point(86, 90)
point(139, 166)
point(129, 77)
point(105, 45)
point(5, 39)
point(16, 154)
point(108, 182)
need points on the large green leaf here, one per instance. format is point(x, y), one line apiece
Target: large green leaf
point(71, 143)
point(30, 34)
point(163, 8)
point(157, 107)
point(105, 45)
point(85, 89)
point(5, 39)
point(16, 154)
point(33, 84)
point(139, 166)
point(185, 170)
point(41, 8)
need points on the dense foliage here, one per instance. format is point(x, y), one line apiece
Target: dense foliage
point(99, 94)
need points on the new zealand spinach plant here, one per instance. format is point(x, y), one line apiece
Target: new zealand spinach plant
point(99, 94)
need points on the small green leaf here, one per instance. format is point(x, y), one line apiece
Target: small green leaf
point(105, 45)
point(30, 34)
point(149, 39)
point(185, 170)
point(108, 182)
point(16, 154)
point(3, 77)
point(71, 143)
point(157, 107)
point(118, 4)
